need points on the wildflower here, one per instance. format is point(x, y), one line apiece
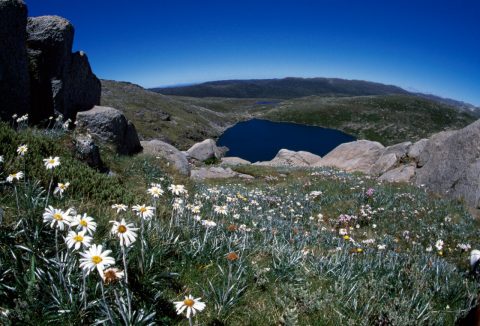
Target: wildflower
point(143, 211)
point(22, 150)
point(84, 223)
point(22, 118)
point(232, 256)
point(112, 275)
point(125, 231)
point(51, 162)
point(370, 192)
point(76, 240)
point(120, 207)
point(474, 258)
point(1, 159)
point(190, 304)
point(342, 231)
point(56, 217)
point(464, 246)
point(222, 210)
point(177, 189)
point(381, 247)
point(346, 237)
point(429, 249)
point(439, 244)
point(155, 190)
point(61, 187)
point(209, 223)
point(95, 257)
point(13, 176)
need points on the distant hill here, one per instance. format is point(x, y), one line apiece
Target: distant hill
point(388, 118)
point(285, 88)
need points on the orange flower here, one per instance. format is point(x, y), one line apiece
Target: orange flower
point(232, 256)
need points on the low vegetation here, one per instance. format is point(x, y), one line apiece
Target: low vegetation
point(292, 247)
point(388, 119)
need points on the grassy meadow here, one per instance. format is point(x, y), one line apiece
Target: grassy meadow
point(291, 247)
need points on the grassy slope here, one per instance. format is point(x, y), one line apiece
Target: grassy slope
point(188, 123)
point(386, 118)
point(389, 119)
point(293, 266)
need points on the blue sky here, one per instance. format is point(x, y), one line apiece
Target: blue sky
point(425, 45)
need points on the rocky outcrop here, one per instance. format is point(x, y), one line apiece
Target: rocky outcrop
point(14, 78)
point(205, 150)
point(359, 155)
point(390, 158)
point(450, 164)
point(217, 173)
point(167, 152)
point(234, 161)
point(61, 82)
point(109, 125)
point(403, 173)
point(87, 151)
point(289, 158)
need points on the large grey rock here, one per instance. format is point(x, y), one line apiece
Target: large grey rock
point(290, 158)
point(359, 156)
point(403, 173)
point(61, 82)
point(14, 78)
point(109, 125)
point(167, 152)
point(390, 158)
point(217, 173)
point(205, 150)
point(234, 161)
point(450, 164)
point(82, 86)
point(416, 149)
point(87, 151)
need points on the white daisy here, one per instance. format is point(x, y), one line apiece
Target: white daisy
point(125, 231)
point(51, 162)
point(84, 223)
point(22, 150)
point(95, 257)
point(190, 304)
point(56, 217)
point(144, 211)
point(76, 240)
point(177, 189)
point(61, 187)
point(120, 207)
point(222, 210)
point(155, 190)
point(13, 176)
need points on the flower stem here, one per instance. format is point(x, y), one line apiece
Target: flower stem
point(49, 188)
point(105, 303)
point(16, 197)
point(129, 301)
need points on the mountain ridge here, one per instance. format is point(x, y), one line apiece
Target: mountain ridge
point(296, 87)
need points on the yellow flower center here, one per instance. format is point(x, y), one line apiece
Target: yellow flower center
point(83, 223)
point(143, 209)
point(52, 161)
point(346, 237)
point(96, 260)
point(122, 229)
point(58, 216)
point(78, 238)
point(188, 302)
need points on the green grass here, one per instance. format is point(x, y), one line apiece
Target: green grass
point(388, 119)
point(293, 268)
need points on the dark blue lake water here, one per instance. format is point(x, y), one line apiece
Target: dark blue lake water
point(260, 140)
